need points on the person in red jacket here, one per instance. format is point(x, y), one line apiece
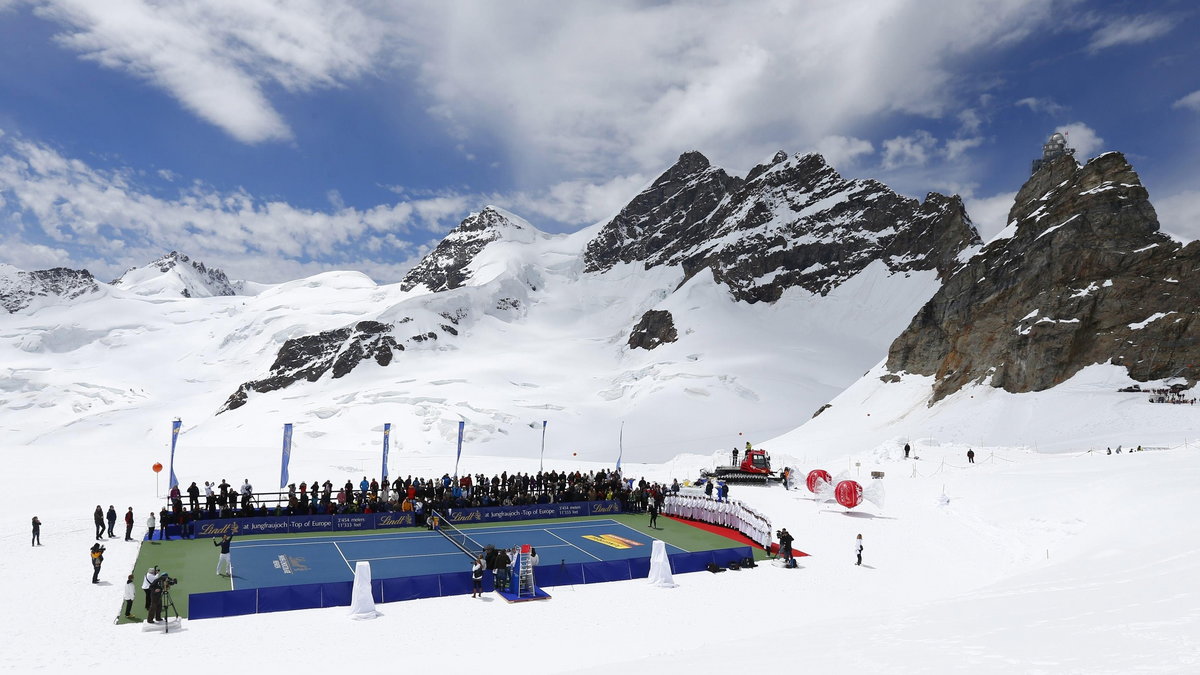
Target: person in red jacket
point(129, 524)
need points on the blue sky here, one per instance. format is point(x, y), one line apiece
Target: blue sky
point(282, 139)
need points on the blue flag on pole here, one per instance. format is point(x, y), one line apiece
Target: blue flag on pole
point(174, 436)
point(461, 425)
point(287, 455)
point(387, 431)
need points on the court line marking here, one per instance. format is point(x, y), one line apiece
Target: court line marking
point(572, 545)
point(339, 550)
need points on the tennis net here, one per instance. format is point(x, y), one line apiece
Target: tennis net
point(458, 537)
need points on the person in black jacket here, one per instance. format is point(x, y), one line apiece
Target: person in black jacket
point(97, 561)
point(98, 516)
point(37, 532)
point(785, 546)
point(111, 516)
point(193, 496)
point(654, 513)
point(223, 561)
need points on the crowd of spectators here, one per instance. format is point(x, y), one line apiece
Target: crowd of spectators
point(416, 495)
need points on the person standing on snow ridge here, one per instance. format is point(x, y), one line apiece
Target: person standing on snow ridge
point(111, 516)
point(971, 456)
point(98, 517)
point(858, 549)
point(906, 450)
point(97, 560)
point(129, 524)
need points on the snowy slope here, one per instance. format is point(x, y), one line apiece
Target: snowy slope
point(1076, 563)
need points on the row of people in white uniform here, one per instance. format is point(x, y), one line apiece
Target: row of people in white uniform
point(732, 514)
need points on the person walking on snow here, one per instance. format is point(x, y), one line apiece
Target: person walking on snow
point(971, 456)
point(37, 532)
point(111, 517)
point(858, 549)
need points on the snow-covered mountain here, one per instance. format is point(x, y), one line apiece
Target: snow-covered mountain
point(682, 334)
point(19, 289)
point(176, 274)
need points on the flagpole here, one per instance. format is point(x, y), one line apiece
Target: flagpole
point(542, 457)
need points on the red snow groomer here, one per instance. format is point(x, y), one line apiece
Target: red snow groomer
point(755, 468)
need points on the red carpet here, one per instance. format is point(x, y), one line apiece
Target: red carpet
point(733, 534)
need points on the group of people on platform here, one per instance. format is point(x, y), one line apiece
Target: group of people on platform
point(732, 514)
point(418, 495)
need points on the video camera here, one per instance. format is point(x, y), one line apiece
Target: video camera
point(166, 580)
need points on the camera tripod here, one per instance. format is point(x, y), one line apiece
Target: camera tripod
point(168, 606)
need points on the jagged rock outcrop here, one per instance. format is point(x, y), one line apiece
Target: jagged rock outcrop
point(447, 266)
point(792, 222)
point(19, 288)
point(1081, 276)
point(176, 273)
point(656, 327)
point(310, 356)
point(677, 202)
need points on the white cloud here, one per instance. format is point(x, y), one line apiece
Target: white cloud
point(601, 89)
point(1081, 137)
point(912, 150)
point(1041, 105)
point(217, 57)
point(842, 151)
point(957, 147)
point(576, 202)
point(1191, 101)
point(103, 216)
point(1129, 30)
point(989, 214)
point(1179, 214)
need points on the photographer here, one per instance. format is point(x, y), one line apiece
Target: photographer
point(97, 561)
point(158, 588)
point(785, 546)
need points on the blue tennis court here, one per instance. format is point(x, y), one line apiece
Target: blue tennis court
point(264, 563)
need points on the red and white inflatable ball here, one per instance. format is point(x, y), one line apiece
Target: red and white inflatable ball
point(848, 493)
point(816, 479)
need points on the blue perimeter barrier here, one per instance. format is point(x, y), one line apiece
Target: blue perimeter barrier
point(310, 596)
point(378, 521)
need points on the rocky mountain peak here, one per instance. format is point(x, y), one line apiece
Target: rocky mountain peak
point(679, 200)
point(446, 267)
point(1081, 276)
point(177, 274)
point(794, 222)
point(19, 289)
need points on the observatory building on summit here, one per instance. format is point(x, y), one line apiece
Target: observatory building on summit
point(1055, 147)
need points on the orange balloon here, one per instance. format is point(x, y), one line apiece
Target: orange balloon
point(157, 467)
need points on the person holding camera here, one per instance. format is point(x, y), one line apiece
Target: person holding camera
point(97, 561)
point(157, 588)
point(785, 546)
point(223, 561)
point(151, 575)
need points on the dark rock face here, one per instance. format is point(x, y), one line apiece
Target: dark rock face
point(445, 268)
point(656, 327)
point(310, 356)
point(677, 202)
point(792, 222)
point(18, 290)
point(1085, 278)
